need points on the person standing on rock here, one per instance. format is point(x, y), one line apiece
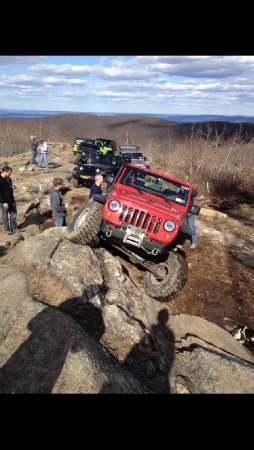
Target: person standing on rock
point(34, 145)
point(7, 202)
point(190, 221)
point(59, 209)
point(44, 154)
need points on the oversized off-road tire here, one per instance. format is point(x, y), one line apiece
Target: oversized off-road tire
point(77, 158)
point(85, 223)
point(174, 273)
point(75, 182)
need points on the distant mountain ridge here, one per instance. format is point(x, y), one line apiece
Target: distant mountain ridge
point(177, 118)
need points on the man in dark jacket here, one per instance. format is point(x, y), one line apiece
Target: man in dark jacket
point(96, 187)
point(7, 202)
point(34, 145)
point(59, 209)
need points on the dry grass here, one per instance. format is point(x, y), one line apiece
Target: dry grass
point(216, 157)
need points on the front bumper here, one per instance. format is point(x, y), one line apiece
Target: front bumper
point(134, 237)
point(83, 178)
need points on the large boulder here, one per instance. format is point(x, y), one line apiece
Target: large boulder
point(74, 322)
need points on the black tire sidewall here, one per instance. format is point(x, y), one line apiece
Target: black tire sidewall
point(91, 225)
point(172, 285)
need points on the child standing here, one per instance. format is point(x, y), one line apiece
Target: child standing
point(44, 154)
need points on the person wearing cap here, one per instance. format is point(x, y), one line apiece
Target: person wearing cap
point(33, 146)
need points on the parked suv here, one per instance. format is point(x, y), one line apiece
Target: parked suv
point(84, 174)
point(134, 154)
point(78, 141)
point(103, 146)
point(107, 145)
point(142, 215)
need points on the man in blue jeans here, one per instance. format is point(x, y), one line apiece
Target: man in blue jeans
point(7, 201)
point(34, 145)
point(44, 154)
point(59, 209)
point(190, 221)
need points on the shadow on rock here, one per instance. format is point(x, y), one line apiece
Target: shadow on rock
point(151, 359)
point(86, 315)
point(38, 362)
point(36, 218)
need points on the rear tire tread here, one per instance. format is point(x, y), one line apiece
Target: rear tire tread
point(91, 225)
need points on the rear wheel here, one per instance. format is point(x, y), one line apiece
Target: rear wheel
point(85, 223)
point(173, 275)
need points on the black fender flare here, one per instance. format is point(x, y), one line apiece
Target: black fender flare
point(99, 198)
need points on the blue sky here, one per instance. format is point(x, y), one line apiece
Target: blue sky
point(129, 84)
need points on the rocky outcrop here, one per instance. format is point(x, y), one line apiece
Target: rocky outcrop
point(73, 322)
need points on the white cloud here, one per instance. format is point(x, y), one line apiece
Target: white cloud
point(161, 84)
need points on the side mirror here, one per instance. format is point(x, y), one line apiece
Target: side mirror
point(109, 179)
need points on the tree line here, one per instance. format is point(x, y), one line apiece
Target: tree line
point(208, 154)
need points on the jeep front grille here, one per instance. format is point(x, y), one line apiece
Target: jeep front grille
point(88, 171)
point(140, 219)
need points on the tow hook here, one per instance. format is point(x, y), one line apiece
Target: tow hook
point(109, 233)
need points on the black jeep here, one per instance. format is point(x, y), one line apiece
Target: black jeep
point(84, 174)
point(107, 145)
point(77, 141)
point(85, 151)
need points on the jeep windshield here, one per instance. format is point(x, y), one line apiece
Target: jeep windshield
point(88, 146)
point(132, 155)
point(107, 142)
point(104, 159)
point(158, 185)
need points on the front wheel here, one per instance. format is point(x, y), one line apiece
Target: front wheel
point(85, 223)
point(173, 275)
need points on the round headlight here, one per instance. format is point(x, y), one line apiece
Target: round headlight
point(114, 205)
point(97, 170)
point(169, 225)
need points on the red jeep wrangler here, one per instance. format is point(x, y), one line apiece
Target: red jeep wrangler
point(142, 214)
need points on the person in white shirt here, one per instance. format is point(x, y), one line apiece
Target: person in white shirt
point(44, 154)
